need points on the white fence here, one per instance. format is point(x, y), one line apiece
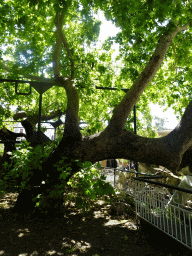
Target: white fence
point(169, 208)
point(159, 206)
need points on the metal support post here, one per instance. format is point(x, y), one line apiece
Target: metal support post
point(114, 177)
point(39, 118)
point(135, 132)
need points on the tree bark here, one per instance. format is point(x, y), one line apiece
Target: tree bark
point(167, 151)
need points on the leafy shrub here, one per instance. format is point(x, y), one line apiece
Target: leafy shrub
point(24, 161)
point(85, 185)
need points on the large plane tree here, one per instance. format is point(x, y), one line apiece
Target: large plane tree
point(56, 41)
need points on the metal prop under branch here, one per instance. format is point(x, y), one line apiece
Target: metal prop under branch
point(40, 87)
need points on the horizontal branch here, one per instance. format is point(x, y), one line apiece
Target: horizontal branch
point(61, 39)
point(35, 116)
point(64, 41)
point(127, 145)
point(167, 151)
point(6, 134)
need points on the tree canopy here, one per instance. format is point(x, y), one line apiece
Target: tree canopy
point(28, 42)
point(57, 41)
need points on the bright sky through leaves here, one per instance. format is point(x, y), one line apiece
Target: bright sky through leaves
point(108, 29)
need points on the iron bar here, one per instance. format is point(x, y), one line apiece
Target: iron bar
point(111, 88)
point(14, 81)
point(152, 176)
point(190, 230)
point(135, 123)
point(9, 141)
point(39, 118)
point(22, 93)
point(186, 190)
point(143, 173)
point(114, 177)
point(25, 81)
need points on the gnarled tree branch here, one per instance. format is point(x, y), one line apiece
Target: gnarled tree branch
point(167, 151)
point(121, 113)
point(64, 41)
point(72, 119)
point(35, 117)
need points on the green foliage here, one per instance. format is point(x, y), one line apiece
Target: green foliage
point(24, 161)
point(52, 196)
point(88, 186)
point(27, 41)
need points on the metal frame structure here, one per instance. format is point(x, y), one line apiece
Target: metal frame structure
point(154, 200)
point(55, 125)
point(40, 87)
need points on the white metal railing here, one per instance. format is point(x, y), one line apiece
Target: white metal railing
point(156, 205)
point(162, 205)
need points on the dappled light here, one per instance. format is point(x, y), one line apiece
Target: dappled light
point(95, 232)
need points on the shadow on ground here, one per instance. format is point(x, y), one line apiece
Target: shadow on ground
point(96, 233)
